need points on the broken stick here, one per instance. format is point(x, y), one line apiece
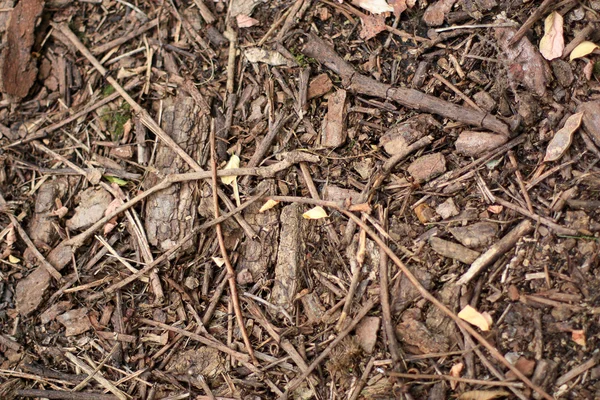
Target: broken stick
point(352, 80)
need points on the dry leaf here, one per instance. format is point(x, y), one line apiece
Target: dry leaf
point(60, 212)
point(563, 138)
point(112, 223)
point(483, 395)
point(455, 372)
point(495, 209)
point(244, 21)
point(219, 261)
point(582, 50)
point(553, 42)
point(371, 26)
point(588, 70)
point(481, 320)
point(578, 336)
point(13, 260)
point(374, 6)
point(11, 236)
point(399, 6)
point(268, 205)
point(234, 162)
point(315, 213)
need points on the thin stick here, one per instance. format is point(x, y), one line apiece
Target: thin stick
point(13, 220)
point(499, 248)
point(171, 251)
point(298, 380)
point(97, 377)
point(63, 395)
point(428, 296)
point(513, 161)
point(456, 379)
point(558, 229)
point(124, 39)
point(533, 18)
point(230, 270)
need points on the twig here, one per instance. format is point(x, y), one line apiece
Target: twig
point(579, 37)
point(47, 266)
point(457, 91)
point(495, 251)
point(428, 296)
point(171, 251)
point(513, 161)
point(533, 18)
point(97, 377)
point(230, 270)
point(456, 379)
point(241, 357)
point(580, 369)
point(558, 229)
point(124, 39)
point(63, 395)
point(292, 385)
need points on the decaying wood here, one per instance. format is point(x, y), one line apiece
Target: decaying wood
point(352, 80)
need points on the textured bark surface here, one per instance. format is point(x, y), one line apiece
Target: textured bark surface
point(171, 214)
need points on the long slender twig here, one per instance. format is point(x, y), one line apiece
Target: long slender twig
point(230, 271)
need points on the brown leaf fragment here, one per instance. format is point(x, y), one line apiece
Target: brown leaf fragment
point(453, 250)
point(204, 361)
point(320, 85)
point(427, 167)
point(447, 209)
point(424, 213)
point(366, 333)
point(92, 204)
point(591, 119)
point(474, 144)
point(399, 6)
point(334, 130)
point(525, 63)
point(372, 25)
point(75, 321)
point(562, 139)
point(436, 12)
point(19, 69)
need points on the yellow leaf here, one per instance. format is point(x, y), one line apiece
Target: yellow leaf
point(219, 261)
point(268, 205)
point(553, 42)
point(234, 162)
point(13, 260)
point(563, 138)
point(582, 49)
point(315, 213)
point(481, 320)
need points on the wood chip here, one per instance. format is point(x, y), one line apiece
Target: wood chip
point(427, 167)
point(474, 144)
point(75, 321)
point(334, 129)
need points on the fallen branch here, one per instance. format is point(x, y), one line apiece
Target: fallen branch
point(325, 54)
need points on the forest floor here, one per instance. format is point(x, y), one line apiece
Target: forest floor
point(299, 199)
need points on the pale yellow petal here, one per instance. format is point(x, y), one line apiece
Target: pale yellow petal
point(315, 213)
point(582, 50)
point(234, 162)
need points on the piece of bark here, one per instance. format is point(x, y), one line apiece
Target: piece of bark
point(447, 209)
point(335, 193)
point(290, 256)
point(353, 81)
point(30, 290)
point(171, 214)
point(474, 144)
point(92, 205)
point(366, 333)
point(75, 321)
point(562, 72)
point(415, 333)
point(399, 137)
point(436, 12)
point(438, 391)
point(475, 236)
point(436, 320)
point(453, 250)
point(403, 292)
point(258, 254)
point(485, 101)
point(544, 375)
point(525, 63)
point(19, 68)
point(495, 251)
point(427, 167)
point(334, 129)
point(476, 8)
point(591, 119)
point(205, 361)
point(41, 227)
point(313, 308)
point(55, 310)
point(319, 86)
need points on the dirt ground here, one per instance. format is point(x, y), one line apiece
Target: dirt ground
point(302, 199)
